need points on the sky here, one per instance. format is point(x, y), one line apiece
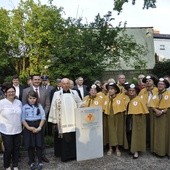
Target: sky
point(134, 15)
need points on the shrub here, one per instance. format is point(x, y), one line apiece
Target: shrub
point(162, 68)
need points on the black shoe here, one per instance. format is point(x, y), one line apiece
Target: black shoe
point(44, 159)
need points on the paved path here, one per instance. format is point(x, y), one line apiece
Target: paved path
point(146, 161)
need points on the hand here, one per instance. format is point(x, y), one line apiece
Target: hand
point(158, 113)
point(165, 110)
point(31, 128)
point(36, 130)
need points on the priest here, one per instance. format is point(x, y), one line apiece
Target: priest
point(62, 115)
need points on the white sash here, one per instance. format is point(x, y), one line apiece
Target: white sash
point(68, 105)
point(62, 110)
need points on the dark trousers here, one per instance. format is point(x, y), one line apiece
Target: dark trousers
point(12, 146)
point(65, 147)
point(44, 145)
point(129, 122)
point(148, 130)
point(48, 127)
point(31, 154)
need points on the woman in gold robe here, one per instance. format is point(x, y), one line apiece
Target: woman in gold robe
point(147, 93)
point(138, 109)
point(94, 98)
point(103, 93)
point(160, 124)
point(114, 107)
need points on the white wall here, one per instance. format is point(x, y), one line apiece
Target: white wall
point(162, 48)
point(143, 36)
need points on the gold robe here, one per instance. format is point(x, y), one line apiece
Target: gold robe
point(138, 109)
point(137, 106)
point(119, 104)
point(89, 101)
point(160, 133)
point(116, 121)
point(144, 94)
point(122, 89)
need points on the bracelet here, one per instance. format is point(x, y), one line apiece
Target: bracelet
point(39, 128)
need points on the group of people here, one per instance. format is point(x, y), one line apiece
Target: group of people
point(24, 111)
point(134, 116)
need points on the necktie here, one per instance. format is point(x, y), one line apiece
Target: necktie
point(36, 90)
point(38, 99)
point(160, 95)
point(111, 106)
point(90, 101)
point(150, 94)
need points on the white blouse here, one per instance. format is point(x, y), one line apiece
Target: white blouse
point(10, 116)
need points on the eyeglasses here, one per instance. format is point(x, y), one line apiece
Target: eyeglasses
point(10, 92)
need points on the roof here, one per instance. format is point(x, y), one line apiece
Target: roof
point(161, 36)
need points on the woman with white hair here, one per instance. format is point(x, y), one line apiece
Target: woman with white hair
point(138, 111)
point(93, 99)
point(160, 123)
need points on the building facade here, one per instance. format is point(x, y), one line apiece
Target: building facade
point(162, 46)
point(144, 37)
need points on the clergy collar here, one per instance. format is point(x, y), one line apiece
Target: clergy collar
point(66, 91)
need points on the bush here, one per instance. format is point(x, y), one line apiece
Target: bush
point(162, 68)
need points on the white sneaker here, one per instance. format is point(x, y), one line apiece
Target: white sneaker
point(8, 168)
point(16, 168)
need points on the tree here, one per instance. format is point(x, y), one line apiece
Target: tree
point(5, 64)
point(33, 30)
point(88, 50)
point(41, 41)
point(162, 68)
point(118, 4)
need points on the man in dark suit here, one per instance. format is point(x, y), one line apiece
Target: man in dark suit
point(56, 88)
point(72, 87)
point(18, 87)
point(43, 98)
point(80, 86)
point(45, 84)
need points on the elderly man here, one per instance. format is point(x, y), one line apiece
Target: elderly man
point(80, 86)
point(121, 82)
point(62, 115)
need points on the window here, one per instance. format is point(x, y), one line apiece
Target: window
point(162, 47)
